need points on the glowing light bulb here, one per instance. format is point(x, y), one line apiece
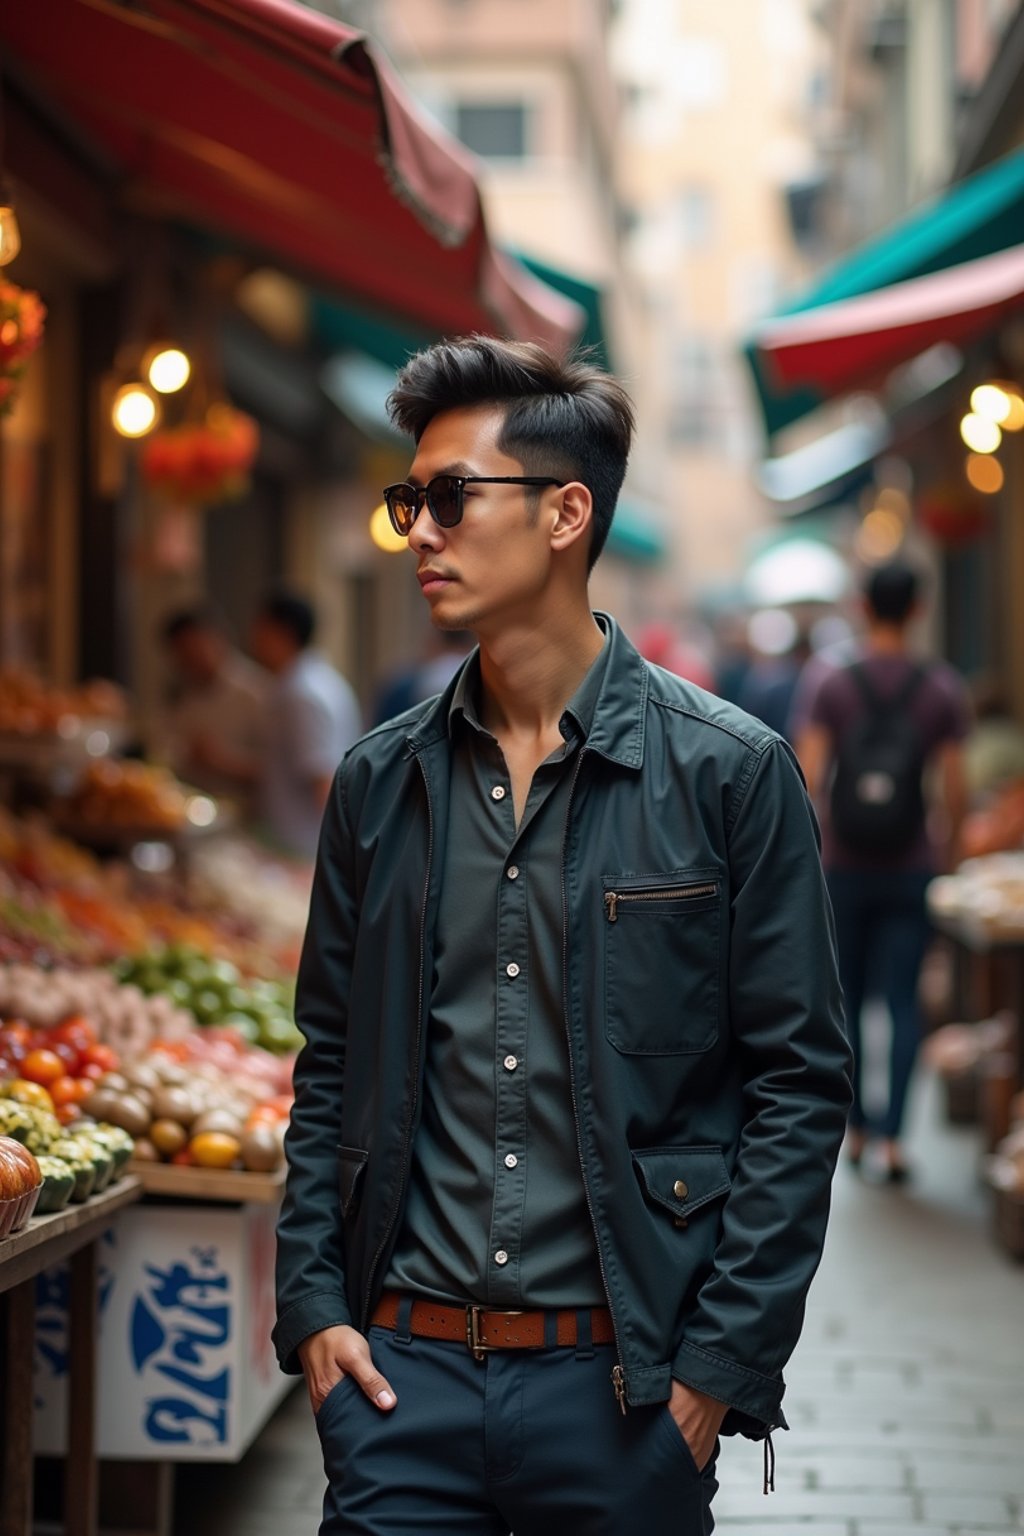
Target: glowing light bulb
point(980, 433)
point(1014, 421)
point(168, 370)
point(382, 533)
point(10, 234)
point(984, 473)
point(990, 401)
point(134, 412)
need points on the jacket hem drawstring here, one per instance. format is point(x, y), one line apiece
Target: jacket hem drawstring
point(769, 1466)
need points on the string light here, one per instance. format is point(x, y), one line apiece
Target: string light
point(168, 369)
point(10, 234)
point(985, 473)
point(383, 534)
point(134, 411)
point(980, 433)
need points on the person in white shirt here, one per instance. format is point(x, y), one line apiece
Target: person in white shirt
point(312, 718)
point(212, 730)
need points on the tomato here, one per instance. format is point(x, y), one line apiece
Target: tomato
point(75, 1030)
point(92, 1071)
point(67, 1114)
point(17, 1031)
point(183, 1159)
point(101, 1056)
point(69, 1055)
point(42, 1066)
point(261, 1114)
point(70, 1090)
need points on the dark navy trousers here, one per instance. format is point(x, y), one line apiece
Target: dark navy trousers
point(527, 1441)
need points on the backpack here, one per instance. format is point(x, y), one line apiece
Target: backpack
point(876, 800)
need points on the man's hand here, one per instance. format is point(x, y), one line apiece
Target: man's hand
point(698, 1419)
point(333, 1353)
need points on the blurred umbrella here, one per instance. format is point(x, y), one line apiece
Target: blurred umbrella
point(797, 571)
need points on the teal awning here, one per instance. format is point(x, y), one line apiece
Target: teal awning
point(975, 218)
point(635, 536)
point(585, 294)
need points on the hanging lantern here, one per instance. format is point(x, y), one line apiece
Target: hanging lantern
point(202, 462)
point(22, 316)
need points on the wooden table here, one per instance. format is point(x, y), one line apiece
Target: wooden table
point(68, 1234)
point(989, 967)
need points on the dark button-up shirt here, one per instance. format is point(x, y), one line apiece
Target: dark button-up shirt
point(497, 1212)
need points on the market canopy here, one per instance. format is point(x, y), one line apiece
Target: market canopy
point(933, 276)
point(275, 124)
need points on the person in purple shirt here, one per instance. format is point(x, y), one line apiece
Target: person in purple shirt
point(878, 892)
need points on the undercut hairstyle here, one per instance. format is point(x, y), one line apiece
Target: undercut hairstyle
point(892, 591)
point(292, 613)
point(567, 419)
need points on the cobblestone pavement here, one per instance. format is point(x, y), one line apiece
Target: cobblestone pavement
point(905, 1400)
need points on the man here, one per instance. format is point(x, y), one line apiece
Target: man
point(880, 730)
point(575, 1062)
point(213, 728)
point(312, 719)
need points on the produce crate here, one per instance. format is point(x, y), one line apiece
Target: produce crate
point(186, 1367)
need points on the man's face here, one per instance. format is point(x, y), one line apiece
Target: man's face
point(199, 654)
point(491, 567)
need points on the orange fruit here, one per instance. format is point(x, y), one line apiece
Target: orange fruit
point(24, 1092)
point(43, 1066)
point(214, 1149)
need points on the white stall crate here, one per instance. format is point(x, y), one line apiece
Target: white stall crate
point(186, 1368)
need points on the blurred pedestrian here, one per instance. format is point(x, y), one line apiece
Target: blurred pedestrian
point(211, 733)
point(880, 728)
point(663, 646)
point(447, 650)
point(574, 1043)
point(312, 719)
point(779, 650)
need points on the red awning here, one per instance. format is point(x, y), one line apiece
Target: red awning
point(855, 342)
point(276, 125)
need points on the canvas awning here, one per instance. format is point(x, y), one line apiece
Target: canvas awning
point(279, 127)
point(932, 276)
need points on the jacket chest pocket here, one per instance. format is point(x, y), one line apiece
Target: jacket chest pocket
point(662, 962)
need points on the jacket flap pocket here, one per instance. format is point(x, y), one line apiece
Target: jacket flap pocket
point(682, 1179)
point(351, 1167)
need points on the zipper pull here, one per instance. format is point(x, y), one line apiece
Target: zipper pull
point(611, 901)
point(619, 1383)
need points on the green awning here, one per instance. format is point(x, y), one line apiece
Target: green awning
point(585, 294)
point(975, 218)
point(635, 536)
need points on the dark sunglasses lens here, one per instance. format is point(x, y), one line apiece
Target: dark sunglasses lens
point(444, 497)
point(401, 502)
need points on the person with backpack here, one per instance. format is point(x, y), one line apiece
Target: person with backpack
point(882, 753)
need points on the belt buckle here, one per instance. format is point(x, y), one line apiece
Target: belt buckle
point(473, 1340)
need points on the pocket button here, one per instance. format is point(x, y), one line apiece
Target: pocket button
point(680, 1190)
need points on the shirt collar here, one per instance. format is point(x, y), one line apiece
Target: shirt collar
point(577, 717)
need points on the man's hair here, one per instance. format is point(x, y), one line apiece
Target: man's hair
point(199, 616)
point(291, 612)
point(569, 420)
point(892, 590)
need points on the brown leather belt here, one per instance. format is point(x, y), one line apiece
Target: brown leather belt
point(483, 1328)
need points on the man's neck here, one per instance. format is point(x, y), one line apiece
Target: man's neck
point(887, 639)
point(529, 672)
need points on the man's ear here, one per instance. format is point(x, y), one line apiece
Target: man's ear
point(574, 516)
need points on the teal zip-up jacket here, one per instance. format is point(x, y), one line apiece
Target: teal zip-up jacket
point(710, 1067)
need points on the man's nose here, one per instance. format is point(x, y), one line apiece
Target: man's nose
point(425, 533)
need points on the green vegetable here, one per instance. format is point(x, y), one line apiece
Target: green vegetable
point(58, 1185)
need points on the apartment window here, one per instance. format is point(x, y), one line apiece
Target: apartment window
point(497, 130)
point(696, 217)
point(693, 418)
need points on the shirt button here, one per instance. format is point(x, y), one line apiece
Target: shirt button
point(511, 1062)
point(511, 1160)
point(501, 1257)
point(498, 792)
point(513, 871)
point(512, 970)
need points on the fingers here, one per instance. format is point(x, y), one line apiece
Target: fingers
point(332, 1354)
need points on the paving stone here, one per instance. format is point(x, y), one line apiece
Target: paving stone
point(985, 1511)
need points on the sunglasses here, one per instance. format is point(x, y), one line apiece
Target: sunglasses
point(444, 498)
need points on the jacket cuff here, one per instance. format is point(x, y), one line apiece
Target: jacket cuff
point(324, 1309)
point(751, 1395)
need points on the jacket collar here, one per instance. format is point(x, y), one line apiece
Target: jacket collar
point(620, 717)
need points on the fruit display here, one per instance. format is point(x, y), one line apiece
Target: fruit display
point(208, 1113)
point(59, 903)
point(90, 1005)
point(985, 894)
point(20, 1183)
point(128, 796)
point(215, 992)
point(28, 707)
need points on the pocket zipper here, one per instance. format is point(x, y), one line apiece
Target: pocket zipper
point(661, 893)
